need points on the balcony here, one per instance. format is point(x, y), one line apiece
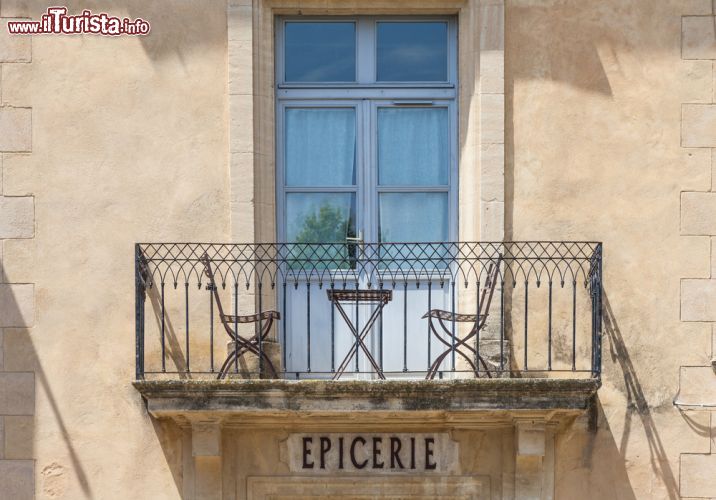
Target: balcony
point(240, 329)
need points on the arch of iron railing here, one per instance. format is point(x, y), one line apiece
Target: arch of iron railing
point(376, 263)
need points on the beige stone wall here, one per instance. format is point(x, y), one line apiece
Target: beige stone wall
point(112, 141)
point(17, 292)
point(608, 135)
point(600, 146)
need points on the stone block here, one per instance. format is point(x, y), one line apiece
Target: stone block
point(17, 479)
point(2, 434)
point(696, 169)
point(492, 221)
point(698, 213)
point(696, 7)
point(698, 37)
point(206, 439)
point(492, 168)
point(19, 351)
point(492, 72)
point(492, 26)
point(17, 393)
point(530, 440)
point(16, 85)
point(240, 21)
point(18, 174)
point(17, 217)
point(492, 119)
point(242, 123)
point(15, 129)
point(698, 125)
point(17, 305)
point(19, 437)
point(242, 178)
point(698, 300)
point(698, 475)
point(14, 48)
point(18, 261)
point(697, 385)
point(713, 257)
point(240, 68)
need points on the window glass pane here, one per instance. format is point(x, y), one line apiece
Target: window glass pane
point(320, 52)
point(413, 146)
point(320, 217)
point(412, 51)
point(413, 217)
point(320, 147)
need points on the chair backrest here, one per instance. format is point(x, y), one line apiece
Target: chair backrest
point(493, 272)
point(211, 285)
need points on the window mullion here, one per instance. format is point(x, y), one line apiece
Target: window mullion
point(365, 71)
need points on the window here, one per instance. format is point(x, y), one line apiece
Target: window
point(366, 138)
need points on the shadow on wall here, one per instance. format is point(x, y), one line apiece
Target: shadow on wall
point(53, 475)
point(637, 406)
point(593, 461)
point(191, 26)
point(174, 349)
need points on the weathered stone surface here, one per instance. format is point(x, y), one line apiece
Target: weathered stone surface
point(17, 8)
point(17, 479)
point(18, 174)
point(18, 259)
point(492, 222)
point(16, 85)
point(698, 37)
point(696, 169)
point(206, 439)
point(698, 300)
point(20, 354)
point(236, 396)
point(530, 440)
point(698, 213)
point(17, 305)
point(17, 217)
point(443, 488)
point(242, 122)
point(13, 48)
point(17, 393)
point(492, 172)
point(492, 118)
point(19, 437)
point(698, 125)
point(240, 68)
point(698, 475)
point(15, 129)
point(240, 22)
point(697, 385)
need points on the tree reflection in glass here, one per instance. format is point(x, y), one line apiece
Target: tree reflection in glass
point(319, 224)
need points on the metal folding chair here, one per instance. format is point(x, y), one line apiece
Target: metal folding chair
point(241, 345)
point(449, 336)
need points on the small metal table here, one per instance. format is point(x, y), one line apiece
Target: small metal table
point(379, 297)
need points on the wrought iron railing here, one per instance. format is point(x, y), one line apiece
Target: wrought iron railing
point(363, 310)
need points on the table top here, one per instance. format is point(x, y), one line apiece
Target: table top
point(383, 296)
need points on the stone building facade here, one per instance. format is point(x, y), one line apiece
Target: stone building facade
point(569, 121)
